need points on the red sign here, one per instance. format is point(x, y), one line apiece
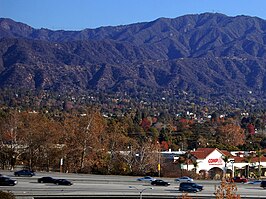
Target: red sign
point(215, 161)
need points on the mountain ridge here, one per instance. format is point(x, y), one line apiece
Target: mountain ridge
point(203, 54)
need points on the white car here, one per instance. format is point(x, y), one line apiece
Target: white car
point(184, 179)
point(146, 179)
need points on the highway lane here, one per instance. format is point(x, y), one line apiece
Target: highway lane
point(86, 184)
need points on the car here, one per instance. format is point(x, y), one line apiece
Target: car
point(239, 179)
point(46, 180)
point(159, 182)
point(184, 179)
point(263, 184)
point(6, 181)
point(255, 182)
point(190, 187)
point(146, 178)
point(62, 182)
point(24, 172)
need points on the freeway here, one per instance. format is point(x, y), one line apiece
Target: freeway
point(109, 185)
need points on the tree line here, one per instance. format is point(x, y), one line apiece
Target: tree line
point(84, 140)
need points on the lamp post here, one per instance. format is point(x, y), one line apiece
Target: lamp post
point(159, 164)
point(159, 159)
point(61, 165)
point(140, 190)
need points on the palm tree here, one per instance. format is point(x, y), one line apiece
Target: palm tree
point(259, 154)
point(248, 160)
point(188, 157)
point(181, 161)
point(226, 160)
point(195, 164)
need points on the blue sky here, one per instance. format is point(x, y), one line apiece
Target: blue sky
point(81, 14)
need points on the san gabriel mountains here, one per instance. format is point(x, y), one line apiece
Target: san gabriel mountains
point(203, 54)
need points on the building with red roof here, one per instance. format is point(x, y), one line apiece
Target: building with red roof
point(211, 161)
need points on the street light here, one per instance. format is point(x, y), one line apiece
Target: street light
point(61, 165)
point(159, 159)
point(159, 164)
point(140, 191)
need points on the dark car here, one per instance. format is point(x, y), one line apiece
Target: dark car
point(24, 173)
point(62, 182)
point(6, 181)
point(190, 187)
point(263, 184)
point(46, 180)
point(159, 182)
point(239, 179)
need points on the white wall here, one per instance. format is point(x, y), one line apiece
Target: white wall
point(214, 159)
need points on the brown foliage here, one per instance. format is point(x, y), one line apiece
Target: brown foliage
point(185, 196)
point(223, 191)
point(83, 139)
point(38, 136)
point(226, 191)
point(230, 134)
point(7, 195)
point(117, 141)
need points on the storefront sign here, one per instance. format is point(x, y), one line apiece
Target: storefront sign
point(215, 161)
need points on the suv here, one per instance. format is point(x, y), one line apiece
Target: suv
point(190, 187)
point(263, 184)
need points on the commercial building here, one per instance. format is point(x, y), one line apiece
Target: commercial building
point(214, 163)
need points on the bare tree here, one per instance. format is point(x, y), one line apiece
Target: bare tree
point(226, 190)
point(146, 157)
point(8, 138)
point(83, 139)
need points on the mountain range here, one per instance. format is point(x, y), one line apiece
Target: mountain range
point(204, 54)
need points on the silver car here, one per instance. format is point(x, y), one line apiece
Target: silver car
point(184, 179)
point(146, 179)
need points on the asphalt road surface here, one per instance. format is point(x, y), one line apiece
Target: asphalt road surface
point(98, 185)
